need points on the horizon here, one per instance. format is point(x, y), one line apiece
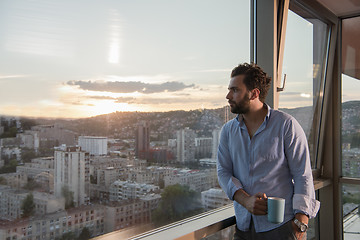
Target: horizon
point(197, 109)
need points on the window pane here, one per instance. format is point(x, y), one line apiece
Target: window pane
point(225, 234)
point(139, 85)
point(351, 214)
point(304, 54)
point(350, 98)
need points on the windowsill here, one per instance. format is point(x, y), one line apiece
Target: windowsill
point(321, 183)
point(196, 227)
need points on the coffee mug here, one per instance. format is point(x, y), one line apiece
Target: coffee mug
point(276, 209)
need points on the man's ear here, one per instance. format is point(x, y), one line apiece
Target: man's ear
point(255, 93)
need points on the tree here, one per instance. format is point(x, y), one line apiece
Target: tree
point(31, 184)
point(93, 179)
point(67, 236)
point(10, 133)
point(9, 167)
point(85, 234)
point(69, 197)
point(28, 206)
point(3, 181)
point(27, 123)
point(177, 202)
point(27, 155)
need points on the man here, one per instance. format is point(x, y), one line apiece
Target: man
point(264, 152)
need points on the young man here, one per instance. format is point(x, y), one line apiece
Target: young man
point(264, 152)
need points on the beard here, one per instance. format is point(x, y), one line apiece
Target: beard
point(241, 107)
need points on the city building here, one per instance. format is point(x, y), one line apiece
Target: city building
point(214, 198)
point(11, 201)
point(215, 142)
point(14, 180)
point(93, 145)
point(104, 162)
point(54, 135)
point(37, 166)
point(128, 213)
point(125, 190)
point(72, 172)
point(29, 139)
point(11, 153)
point(196, 180)
point(203, 147)
point(185, 145)
point(142, 140)
point(105, 177)
point(54, 225)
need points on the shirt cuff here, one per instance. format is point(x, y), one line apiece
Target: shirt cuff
point(305, 204)
point(233, 185)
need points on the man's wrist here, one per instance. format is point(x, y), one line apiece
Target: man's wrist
point(302, 218)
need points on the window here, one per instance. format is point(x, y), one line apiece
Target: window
point(70, 68)
point(350, 126)
point(304, 63)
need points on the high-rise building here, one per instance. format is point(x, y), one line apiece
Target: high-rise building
point(93, 145)
point(142, 137)
point(203, 147)
point(215, 142)
point(72, 172)
point(185, 145)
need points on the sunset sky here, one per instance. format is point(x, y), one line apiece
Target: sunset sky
point(84, 58)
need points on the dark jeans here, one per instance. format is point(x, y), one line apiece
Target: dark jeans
point(285, 232)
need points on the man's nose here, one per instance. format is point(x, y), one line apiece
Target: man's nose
point(228, 95)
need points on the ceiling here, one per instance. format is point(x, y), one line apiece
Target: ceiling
point(342, 7)
point(351, 47)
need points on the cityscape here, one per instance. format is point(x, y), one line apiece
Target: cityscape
point(80, 178)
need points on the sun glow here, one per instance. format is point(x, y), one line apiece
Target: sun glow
point(115, 37)
point(104, 107)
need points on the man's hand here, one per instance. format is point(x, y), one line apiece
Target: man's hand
point(257, 204)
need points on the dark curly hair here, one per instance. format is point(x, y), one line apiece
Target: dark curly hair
point(255, 77)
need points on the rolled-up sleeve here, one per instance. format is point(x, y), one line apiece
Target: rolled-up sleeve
point(227, 181)
point(298, 157)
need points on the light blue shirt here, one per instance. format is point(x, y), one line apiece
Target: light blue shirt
point(274, 161)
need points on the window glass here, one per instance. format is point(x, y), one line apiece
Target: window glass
point(351, 125)
point(350, 98)
point(351, 214)
point(114, 108)
point(303, 64)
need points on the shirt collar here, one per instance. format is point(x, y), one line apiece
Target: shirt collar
point(240, 117)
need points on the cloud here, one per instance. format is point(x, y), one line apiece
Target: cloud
point(81, 104)
point(7, 77)
point(129, 87)
point(150, 101)
point(102, 97)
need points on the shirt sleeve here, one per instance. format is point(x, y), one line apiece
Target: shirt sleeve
point(298, 157)
point(227, 181)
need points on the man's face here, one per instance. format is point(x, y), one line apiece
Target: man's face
point(238, 96)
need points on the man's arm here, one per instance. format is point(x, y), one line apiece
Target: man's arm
point(224, 165)
point(297, 153)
